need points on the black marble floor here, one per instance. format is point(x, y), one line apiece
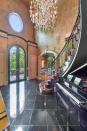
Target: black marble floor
point(28, 110)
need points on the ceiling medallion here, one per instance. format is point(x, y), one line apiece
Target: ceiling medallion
point(43, 14)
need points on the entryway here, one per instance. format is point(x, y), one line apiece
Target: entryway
point(16, 64)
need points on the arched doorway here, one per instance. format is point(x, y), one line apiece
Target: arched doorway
point(16, 64)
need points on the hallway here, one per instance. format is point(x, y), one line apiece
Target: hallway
point(43, 48)
point(28, 110)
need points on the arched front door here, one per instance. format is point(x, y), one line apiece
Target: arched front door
point(17, 62)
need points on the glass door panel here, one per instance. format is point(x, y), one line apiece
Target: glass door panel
point(21, 64)
point(13, 54)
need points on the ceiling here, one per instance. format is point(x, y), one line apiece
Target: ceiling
point(55, 40)
point(26, 2)
point(66, 17)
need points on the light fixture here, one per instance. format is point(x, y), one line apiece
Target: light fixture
point(43, 13)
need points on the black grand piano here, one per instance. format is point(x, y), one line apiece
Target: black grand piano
point(72, 98)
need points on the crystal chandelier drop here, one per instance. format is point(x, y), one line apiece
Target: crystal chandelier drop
point(43, 13)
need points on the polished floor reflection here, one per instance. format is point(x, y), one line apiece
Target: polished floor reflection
point(28, 110)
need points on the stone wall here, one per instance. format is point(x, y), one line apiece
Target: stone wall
point(17, 6)
point(32, 53)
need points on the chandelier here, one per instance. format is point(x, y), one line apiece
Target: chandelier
point(43, 13)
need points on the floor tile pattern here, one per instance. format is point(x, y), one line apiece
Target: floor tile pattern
point(28, 110)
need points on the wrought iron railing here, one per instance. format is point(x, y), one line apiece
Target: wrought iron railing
point(68, 52)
